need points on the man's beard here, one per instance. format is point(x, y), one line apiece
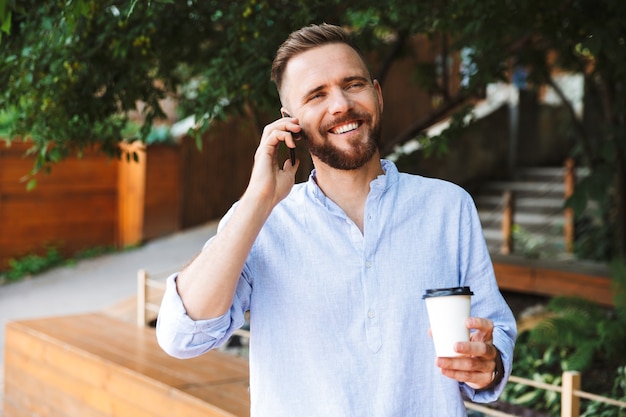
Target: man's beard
point(359, 153)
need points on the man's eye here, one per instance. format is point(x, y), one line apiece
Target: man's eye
point(316, 96)
point(356, 85)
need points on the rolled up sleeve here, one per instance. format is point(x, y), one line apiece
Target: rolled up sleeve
point(181, 336)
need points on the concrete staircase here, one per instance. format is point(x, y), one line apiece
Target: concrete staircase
point(538, 214)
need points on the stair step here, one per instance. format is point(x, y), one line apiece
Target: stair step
point(523, 218)
point(538, 209)
point(494, 238)
point(524, 186)
point(548, 173)
point(485, 201)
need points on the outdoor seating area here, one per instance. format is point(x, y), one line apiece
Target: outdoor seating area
point(109, 363)
point(95, 365)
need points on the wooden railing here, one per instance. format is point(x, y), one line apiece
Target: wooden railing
point(508, 214)
point(570, 391)
point(149, 294)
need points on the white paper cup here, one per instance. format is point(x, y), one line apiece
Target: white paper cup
point(448, 308)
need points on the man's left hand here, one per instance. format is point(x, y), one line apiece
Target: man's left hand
point(477, 365)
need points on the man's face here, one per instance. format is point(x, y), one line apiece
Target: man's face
point(339, 108)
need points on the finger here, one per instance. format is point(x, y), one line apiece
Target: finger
point(466, 364)
point(476, 372)
point(293, 129)
point(479, 349)
point(273, 135)
point(479, 323)
point(476, 380)
point(482, 329)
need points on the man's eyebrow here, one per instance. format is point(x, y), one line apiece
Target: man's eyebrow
point(357, 78)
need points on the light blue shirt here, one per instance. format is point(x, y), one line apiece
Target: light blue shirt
point(338, 325)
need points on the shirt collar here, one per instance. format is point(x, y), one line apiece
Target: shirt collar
point(377, 187)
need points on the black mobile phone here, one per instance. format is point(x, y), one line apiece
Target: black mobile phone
point(296, 136)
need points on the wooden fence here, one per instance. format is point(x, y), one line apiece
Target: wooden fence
point(570, 391)
point(94, 201)
point(76, 198)
point(87, 202)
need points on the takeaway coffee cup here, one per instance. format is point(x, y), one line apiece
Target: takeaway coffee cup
point(447, 310)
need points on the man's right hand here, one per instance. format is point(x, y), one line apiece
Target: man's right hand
point(268, 181)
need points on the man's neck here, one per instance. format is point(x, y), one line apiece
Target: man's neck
point(348, 189)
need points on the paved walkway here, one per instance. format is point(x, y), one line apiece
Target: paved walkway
point(95, 284)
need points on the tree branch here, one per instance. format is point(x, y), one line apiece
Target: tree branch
point(393, 54)
point(424, 123)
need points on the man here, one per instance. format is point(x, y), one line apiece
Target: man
point(333, 270)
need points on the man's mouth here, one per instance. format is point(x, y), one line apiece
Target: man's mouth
point(348, 127)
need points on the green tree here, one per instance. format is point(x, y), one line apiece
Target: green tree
point(73, 69)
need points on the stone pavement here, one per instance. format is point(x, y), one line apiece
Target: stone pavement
point(96, 284)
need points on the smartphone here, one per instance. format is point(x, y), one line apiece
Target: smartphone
point(296, 136)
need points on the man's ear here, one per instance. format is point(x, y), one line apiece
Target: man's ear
point(379, 93)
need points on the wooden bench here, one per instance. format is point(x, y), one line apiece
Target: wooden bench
point(94, 365)
point(541, 277)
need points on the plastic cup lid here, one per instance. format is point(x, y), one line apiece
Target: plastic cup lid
point(443, 292)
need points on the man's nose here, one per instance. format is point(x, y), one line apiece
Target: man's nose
point(339, 101)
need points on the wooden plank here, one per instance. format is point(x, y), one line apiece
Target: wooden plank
point(131, 193)
point(136, 350)
point(557, 282)
point(72, 208)
point(233, 397)
point(73, 174)
point(56, 391)
point(30, 393)
point(514, 277)
point(114, 368)
point(536, 279)
point(67, 208)
point(162, 206)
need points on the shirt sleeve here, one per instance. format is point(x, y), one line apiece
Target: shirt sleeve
point(487, 301)
point(182, 337)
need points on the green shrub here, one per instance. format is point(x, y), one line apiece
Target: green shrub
point(577, 335)
point(33, 264)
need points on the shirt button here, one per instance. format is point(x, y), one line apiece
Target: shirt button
point(368, 264)
point(371, 314)
point(370, 217)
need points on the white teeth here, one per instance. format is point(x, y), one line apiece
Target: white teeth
point(346, 128)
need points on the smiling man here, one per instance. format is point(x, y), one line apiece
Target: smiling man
point(333, 270)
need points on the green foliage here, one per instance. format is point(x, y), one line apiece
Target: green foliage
point(7, 118)
point(33, 264)
point(618, 392)
point(524, 242)
point(541, 364)
point(73, 70)
point(578, 335)
point(593, 207)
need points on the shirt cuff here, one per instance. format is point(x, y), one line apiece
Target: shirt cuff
point(180, 335)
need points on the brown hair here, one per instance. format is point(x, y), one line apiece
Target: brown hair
point(302, 40)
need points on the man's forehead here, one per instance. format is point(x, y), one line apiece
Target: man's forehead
point(317, 66)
